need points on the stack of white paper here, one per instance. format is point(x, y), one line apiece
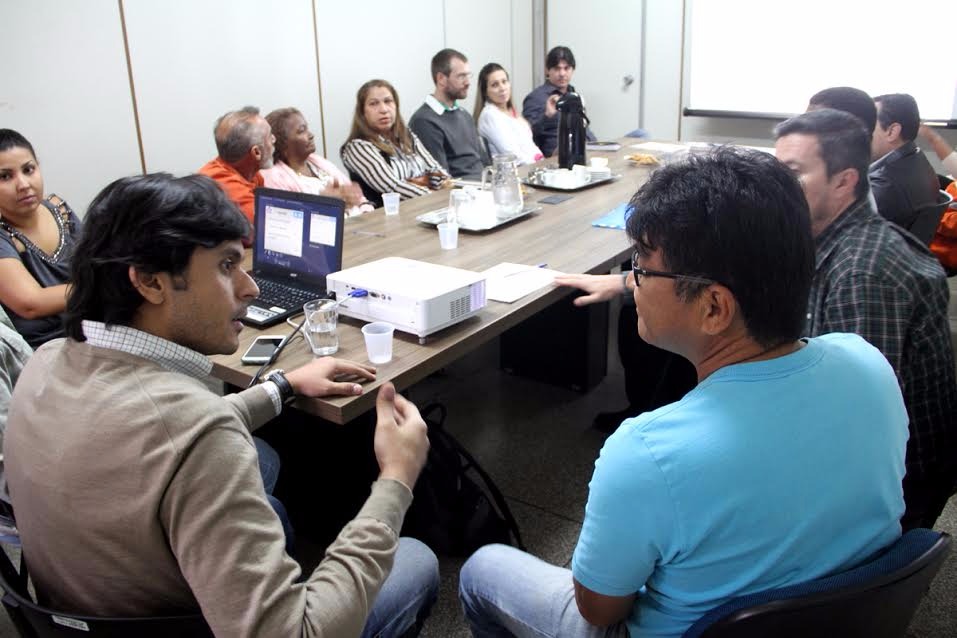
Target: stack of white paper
point(509, 282)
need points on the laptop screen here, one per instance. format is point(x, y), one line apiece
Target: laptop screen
point(298, 236)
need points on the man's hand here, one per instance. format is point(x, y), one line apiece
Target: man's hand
point(318, 378)
point(421, 180)
point(598, 287)
point(401, 440)
point(941, 147)
point(550, 108)
point(439, 181)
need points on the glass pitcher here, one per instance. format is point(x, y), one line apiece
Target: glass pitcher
point(506, 187)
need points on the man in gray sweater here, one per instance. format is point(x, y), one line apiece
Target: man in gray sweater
point(137, 490)
point(447, 129)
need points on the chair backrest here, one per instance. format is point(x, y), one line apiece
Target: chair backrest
point(876, 600)
point(928, 218)
point(34, 621)
point(371, 194)
point(944, 181)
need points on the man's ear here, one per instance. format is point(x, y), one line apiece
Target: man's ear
point(718, 309)
point(257, 153)
point(893, 132)
point(846, 180)
point(151, 287)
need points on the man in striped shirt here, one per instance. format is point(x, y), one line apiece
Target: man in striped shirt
point(875, 279)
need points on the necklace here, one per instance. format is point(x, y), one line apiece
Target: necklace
point(36, 250)
point(307, 171)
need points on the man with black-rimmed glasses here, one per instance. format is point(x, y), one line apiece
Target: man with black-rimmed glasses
point(781, 466)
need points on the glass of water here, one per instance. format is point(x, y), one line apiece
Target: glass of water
point(322, 317)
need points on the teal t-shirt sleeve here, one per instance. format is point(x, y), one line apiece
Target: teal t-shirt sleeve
point(629, 518)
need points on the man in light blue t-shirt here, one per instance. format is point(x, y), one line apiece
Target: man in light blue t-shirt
point(783, 465)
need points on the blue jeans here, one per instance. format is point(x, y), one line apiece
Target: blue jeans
point(268, 464)
point(407, 594)
point(269, 470)
point(506, 592)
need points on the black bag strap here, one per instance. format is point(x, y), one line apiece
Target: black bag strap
point(16, 579)
point(437, 427)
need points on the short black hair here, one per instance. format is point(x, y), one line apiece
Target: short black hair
point(442, 61)
point(559, 54)
point(153, 222)
point(737, 217)
point(11, 139)
point(844, 142)
point(900, 108)
point(850, 100)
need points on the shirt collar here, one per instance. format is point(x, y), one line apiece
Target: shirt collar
point(830, 238)
point(554, 87)
point(908, 148)
point(162, 352)
point(439, 107)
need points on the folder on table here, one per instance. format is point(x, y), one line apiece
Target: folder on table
point(615, 218)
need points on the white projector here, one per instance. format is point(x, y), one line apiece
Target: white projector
point(414, 296)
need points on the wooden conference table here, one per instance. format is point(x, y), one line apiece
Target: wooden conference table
point(558, 235)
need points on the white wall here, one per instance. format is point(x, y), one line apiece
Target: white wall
point(606, 39)
point(661, 68)
point(193, 61)
point(66, 83)
point(398, 46)
point(664, 93)
point(64, 86)
point(381, 48)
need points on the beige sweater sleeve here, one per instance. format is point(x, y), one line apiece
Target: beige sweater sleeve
point(253, 406)
point(230, 547)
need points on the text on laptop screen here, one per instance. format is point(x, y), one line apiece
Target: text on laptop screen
point(298, 236)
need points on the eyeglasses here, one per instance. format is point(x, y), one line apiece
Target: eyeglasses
point(638, 270)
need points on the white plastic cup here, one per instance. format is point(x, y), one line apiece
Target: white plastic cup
point(599, 162)
point(448, 236)
point(322, 317)
point(458, 201)
point(378, 336)
point(391, 203)
point(581, 174)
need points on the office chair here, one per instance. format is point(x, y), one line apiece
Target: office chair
point(371, 194)
point(944, 181)
point(928, 218)
point(34, 621)
point(875, 600)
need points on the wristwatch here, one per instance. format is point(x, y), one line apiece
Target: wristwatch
point(286, 393)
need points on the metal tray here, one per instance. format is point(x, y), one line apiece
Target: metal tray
point(589, 184)
point(483, 221)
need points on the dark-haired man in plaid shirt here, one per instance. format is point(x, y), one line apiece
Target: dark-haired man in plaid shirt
point(878, 281)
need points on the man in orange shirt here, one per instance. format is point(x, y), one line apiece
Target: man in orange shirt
point(244, 142)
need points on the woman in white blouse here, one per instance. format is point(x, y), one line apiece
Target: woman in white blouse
point(383, 153)
point(499, 124)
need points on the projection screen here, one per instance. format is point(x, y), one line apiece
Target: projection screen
point(754, 58)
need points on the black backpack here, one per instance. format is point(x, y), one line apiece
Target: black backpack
point(451, 513)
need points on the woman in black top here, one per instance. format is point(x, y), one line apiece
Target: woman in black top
point(37, 236)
